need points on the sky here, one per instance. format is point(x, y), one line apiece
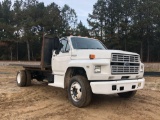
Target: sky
point(82, 7)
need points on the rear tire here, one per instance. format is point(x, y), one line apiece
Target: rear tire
point(21, 78)
point(79, 91)
point(28, 75)
point(127, 94)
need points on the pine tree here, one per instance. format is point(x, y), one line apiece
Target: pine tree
point(82, 30)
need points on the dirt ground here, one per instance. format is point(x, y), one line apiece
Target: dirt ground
point(42, 102)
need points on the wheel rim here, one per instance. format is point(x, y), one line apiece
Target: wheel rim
point(76, 92)
point(18, 78)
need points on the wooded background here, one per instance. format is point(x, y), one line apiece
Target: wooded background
point(131, 25)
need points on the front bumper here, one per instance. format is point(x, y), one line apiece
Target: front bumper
point(119, 86)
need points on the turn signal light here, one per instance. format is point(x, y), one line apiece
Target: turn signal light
point(92, 56)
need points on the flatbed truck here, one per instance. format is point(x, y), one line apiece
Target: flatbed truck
point(84, 66)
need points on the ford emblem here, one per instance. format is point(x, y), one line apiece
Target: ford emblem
point(126, 64)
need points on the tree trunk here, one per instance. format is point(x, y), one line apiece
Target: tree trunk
point(32, 55)
point(148, 51)
point(17, 51)
point(11, 54)
point(28, 50)
point(148, 35)
point(101, 31)
point(125, 41)
point(141, 51)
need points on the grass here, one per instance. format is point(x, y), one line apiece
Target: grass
point(152, 67)
point(9, 71)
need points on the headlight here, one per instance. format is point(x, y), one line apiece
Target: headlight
point(97, 69)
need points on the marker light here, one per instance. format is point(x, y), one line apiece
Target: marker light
point(92, 56)
point(142, 68)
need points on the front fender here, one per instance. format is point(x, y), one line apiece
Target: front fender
point(89, 65)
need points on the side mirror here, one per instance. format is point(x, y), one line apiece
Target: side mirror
point(56, 43)
point(59, 48)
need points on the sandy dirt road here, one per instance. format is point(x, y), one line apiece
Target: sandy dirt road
point(42, 102)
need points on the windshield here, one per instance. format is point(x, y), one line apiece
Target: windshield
point(86, 43)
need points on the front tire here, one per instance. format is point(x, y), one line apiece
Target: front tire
point(21, 78)
point(79, 91)
point(28, 77)
point(127, 94)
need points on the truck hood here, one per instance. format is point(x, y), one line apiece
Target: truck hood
point(99, 54)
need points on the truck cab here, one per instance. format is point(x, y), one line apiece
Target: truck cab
point(84, 66)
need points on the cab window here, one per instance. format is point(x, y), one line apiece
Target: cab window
point(65, 47)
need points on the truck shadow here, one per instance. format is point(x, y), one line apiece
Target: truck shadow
point(107, 99)
point(98, 101)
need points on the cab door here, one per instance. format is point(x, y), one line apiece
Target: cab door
point(61, 60)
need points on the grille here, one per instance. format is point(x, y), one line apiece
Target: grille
point(125, 58)
point(125, 69)
point(124, 64)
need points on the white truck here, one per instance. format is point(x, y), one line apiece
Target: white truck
point(84, 66)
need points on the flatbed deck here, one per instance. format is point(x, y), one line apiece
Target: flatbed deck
point(33, 67)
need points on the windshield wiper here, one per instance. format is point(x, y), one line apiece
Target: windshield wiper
point(91, 48)
point(82, 48)
point(99, 48)
point(96, 48)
